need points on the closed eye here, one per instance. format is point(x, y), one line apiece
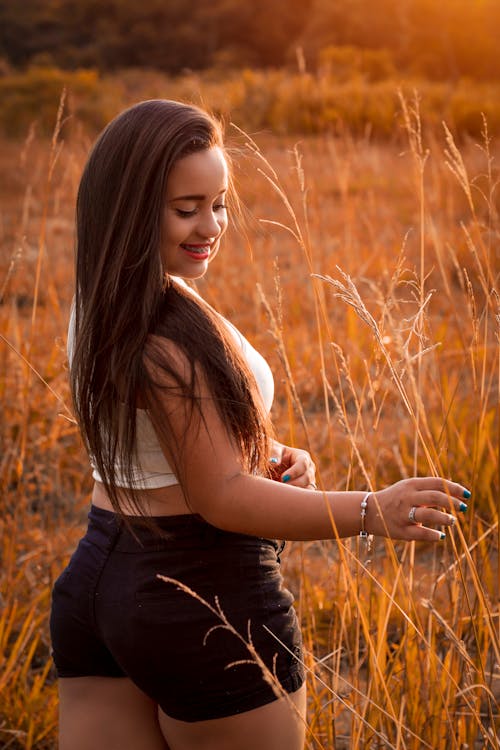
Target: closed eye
point(185, 214)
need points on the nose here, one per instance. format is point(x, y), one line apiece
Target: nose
point(210, 225)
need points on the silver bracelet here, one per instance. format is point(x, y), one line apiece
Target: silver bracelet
point(364, 504)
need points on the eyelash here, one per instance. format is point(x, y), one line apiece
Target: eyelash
point(187, 214)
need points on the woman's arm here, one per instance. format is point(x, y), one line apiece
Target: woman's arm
point(217, 488)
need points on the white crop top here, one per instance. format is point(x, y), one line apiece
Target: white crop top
point(152, 469)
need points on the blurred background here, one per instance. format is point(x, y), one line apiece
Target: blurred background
point(299, 67)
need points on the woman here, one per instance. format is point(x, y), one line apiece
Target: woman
point(173, 407)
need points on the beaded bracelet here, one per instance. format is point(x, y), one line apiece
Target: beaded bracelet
point(364, 504)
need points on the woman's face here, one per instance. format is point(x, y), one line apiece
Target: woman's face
point(195, 216)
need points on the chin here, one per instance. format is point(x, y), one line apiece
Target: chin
point(189, 274)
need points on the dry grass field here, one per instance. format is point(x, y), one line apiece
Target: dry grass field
point(367, 273)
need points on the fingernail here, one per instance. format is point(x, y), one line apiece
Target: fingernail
point(462, 508)
point(442, 536)
point(287, 478)
point(467, 495)
point(273, 460)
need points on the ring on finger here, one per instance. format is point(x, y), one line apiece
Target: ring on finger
point(411, 515)
point(314, 486)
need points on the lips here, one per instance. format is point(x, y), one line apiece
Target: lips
point(199, 252)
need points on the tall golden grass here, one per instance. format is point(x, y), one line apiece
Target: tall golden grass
point(368, 276)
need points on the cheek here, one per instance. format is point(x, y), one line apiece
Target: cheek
point(175, 231)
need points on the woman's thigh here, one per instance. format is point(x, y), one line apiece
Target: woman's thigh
point(279, 725)
point(107, 713)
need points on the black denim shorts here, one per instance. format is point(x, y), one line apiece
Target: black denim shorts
point(184, 644)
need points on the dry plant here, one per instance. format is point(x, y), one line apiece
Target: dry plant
point(371, 286)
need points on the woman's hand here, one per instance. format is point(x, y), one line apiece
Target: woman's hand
point(410, 508)
point(293, 466)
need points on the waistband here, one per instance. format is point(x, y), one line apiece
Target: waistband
point(107, 529)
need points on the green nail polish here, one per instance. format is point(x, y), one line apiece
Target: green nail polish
point(273, 460)
point(467, 494)
point(462, 508)
point(287, 478)
point(442, 536)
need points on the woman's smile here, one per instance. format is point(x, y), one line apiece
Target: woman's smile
point(198, 252)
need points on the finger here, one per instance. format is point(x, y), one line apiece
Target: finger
point(295, 476)
point(442, 500)
point(299, 468)
point(276, 456)
point(424, 534)
point(443, 485)
point(275, 468)
point(432, 517)
point(289, 476)
point(304, 479)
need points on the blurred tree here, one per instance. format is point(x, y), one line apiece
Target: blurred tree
point(450, 38)
point(258, 33)
point(27, 28)
point(356, 23)
point(453, 38)
point(165, 34)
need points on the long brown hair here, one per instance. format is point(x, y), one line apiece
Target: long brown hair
point(123, 296)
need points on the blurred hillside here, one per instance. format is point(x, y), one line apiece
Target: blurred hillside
point(451, 39)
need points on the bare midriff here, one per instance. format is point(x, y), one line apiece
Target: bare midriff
point(161, 501)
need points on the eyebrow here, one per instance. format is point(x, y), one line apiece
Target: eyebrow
point(195, 197)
